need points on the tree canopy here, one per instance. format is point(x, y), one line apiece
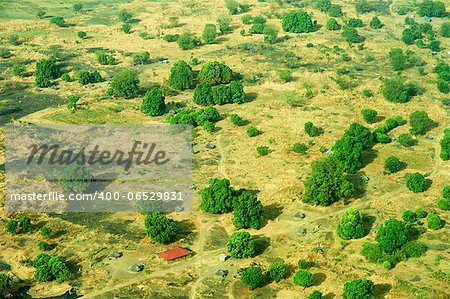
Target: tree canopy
point(297, 22)
point(359, 289)
point(351, 225)
point(153, 103)
point(217, 198)
point(181, 76)
point(252, 277)
point(125, 84)
point(160, 228)
point(215, 73)
point(241, 245)
point(247, 210)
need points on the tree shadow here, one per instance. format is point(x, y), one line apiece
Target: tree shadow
point(368, 222)
point(251, 96)
point(185, 228)
point(134, 21)
point(381, 290)
point(329, 296)
point(368, 157)
point(261, 244)
point(272, 211)
point(318, 278)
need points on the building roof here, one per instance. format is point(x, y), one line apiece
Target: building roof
point(174, 253)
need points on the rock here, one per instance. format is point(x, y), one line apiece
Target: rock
point(136, 268)
point(301, 232)
point(299, 215)
point(222, 273)
point(210, 146)
point(114, 255)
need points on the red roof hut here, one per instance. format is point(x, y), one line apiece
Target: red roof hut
point(174, 253)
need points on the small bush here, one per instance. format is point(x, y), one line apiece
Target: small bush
point(252, 131)
point(262, 150)
point(434, 222)
point(303, 278)
point(417, 183)
point(369, 115)
point(392, 165)
point(299, 148)
point(237, 120)
point(406, 140)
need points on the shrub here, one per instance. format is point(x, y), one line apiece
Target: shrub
point(299, 148)
point(42, 81)
point(262, 150)
point(396, 90)
point(369, 115)
point(284, 75)
point(297, 22)
point(352, 36)
point(443, 86)
point(247, 210)
point(58, 21)
point(203, 95)
point(277, 271)
point(141, 58)
point(351, 225)
point(66, 77)
point(187, 42)
point(406, 140)
point(414, 249)
point(5, 53)
point(302, 264)
point(224, 24)
point(417, 183)
point(444, 204)
point(181, 76)
point(445, 29)
point(420, 122)
point(126, 28)
point(46, 232)
point(160, 228)
point(252, 277)
point(105, 59)
point(232, 6)
point(44, 246)
point(82, 34)
point(315, 295)
point(252, 131)
point(409, 216)
point(237, 120)
point(358, 288)
point(434, 222)
point(375, 23)
point(332, 24)
point(11, 226)
point(170, 38)
point(323, 5)
point(153, 103)
point(270, 34)
point(215, 73)
point(431, 9)
point(77, 7)
point(76, 178)
point(18, 69)
point(392, 165)
point(217, 197)
point(397, 59)
point(420, 213)
point(86, 77)
point(327, 183)
point(73, 102)
point(47, 68)
point(311, 130)
point(125, 16)
point(125, 84)
point(387, 265)
point(303, 278)
point(209, 33)
point(237, 93)
point(335, 11)
point(241, 245)
point(445, 145)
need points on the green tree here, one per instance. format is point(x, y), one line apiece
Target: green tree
point(76, 178)
point(86, 77)
point(303, 278)
point(351, 225)
point(160, 228)
point(44, 246)
point(369, 115)
point(237, 92)
point(58, 21)
point(277, 271)
point(392, 235)
point(252, 277)
point(431, 9)
point(77, 7)
point(420, 122)
point(409, 216)
point(18, 69)
point(417, 183)
point(232, 6)
point(241, 245)
point(237, 120)
point(153, 103)
point(181, 76)
point(358, 289)
point(327, 183)
point(302, 264)
point(397, 90)
point(355, 23)
point(392, 165)
point(333, 25)
point(445, 29)
point(11, 226)
point(125, 84)
point(215, 73)
point(217, 198)
point(82, 34)
point(7, 286)
point(315, 295)
point(247, 210)
point(46, 232)
point(40, 14)
point(73, 102)
point(187, 41)
point(209, 33)
point(323, 5)
point(297, 22)
point(252, 131)
point(434, 222)
point(406, 140)
point(445, 145)
point(47, 68)
point(335, 11)
point(203, 95)
point(375, 23)
point(126, 28)
point(263, 150)
point(299, 148)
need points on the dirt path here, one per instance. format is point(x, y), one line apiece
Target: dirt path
point(221, 167)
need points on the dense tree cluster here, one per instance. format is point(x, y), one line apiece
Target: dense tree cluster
point(443, 71)
point(445, 145)
point(205, 94)
point(160, 228)
point(241, 245)
point(351, 225)
point(217, 198)
point(89, 77)
point(214, 73)
point(348, 150)
point(327, 183)
point(153, 103)
point(397, 90)
point(104, 58)
point(194, 117)
point(125, 84)
point(431, 9)
point(46, 70)
point(297, 22)
point(50, 268)
point(420, 34)
point(444, 203)
point(380, 133)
